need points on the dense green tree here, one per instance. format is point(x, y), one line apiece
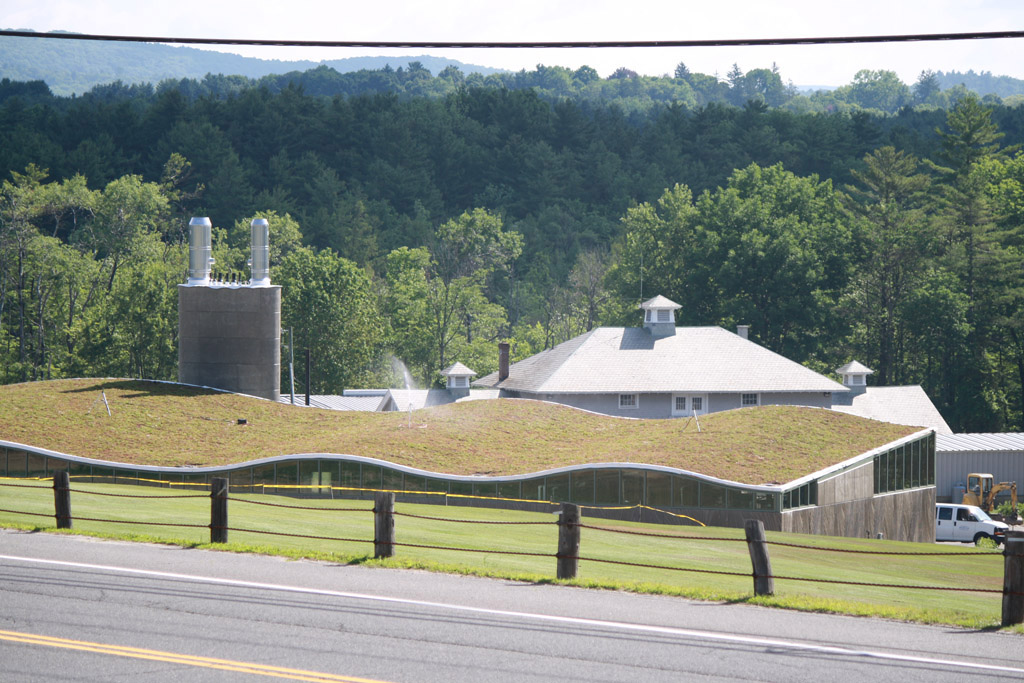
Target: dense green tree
point(329, 304)
point(891, 199)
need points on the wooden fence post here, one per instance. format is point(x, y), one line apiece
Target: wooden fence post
point(764, 584)
point(568, 541)
point(384, 524)
point(62, 499)
point(1013, 581)
point(218, 510)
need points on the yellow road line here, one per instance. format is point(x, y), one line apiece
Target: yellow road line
point(174, 658)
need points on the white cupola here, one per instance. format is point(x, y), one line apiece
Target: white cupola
point(855, 375)
point(660, 316)
point(458, 376)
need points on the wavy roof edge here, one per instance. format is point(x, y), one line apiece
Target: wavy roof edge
point(837, 467)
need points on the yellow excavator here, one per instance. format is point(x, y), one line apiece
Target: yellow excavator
point(982, 490)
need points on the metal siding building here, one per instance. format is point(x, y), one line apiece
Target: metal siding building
point(957, 455)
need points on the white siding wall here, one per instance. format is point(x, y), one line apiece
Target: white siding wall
point(952, 468)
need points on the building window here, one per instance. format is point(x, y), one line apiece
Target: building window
point(627, 401)
point(680, 404)
point(664, 316)
point(697, 404)
point(749, 400)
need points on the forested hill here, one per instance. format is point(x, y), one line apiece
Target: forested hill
point(429, 228)
point(75, 66)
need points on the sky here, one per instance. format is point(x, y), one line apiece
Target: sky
point(598, 20)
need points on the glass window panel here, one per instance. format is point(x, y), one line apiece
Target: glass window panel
point(712, 495)
point(764, 500)
point(929, 461)
point(533, 489)
point(16, 463)
point(606, 487)
point(350, 475)
point(876, 467)
point(697, 404)
point(437, 485)
point(804, 496)
point(485, 490)
point(890, 471)
point(462, 488)
point(509, 489)
point(898, 452)
point(392, 480)
point(915, 464)
point(659, 489)
point(686, 493)
point(239, 477)
point(740, 500)
point(813, 488)
point(583, 487)
point(263, 474)
point(415, 483)
point(558, 488)
point(309, 472)
point(372, 477)
point(632, 487)
point(105, 473)
point(680, 404)
point(287, 473)
point(36, 465)
point(77, 469)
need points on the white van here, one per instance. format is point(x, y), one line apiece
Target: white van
point(966, 523)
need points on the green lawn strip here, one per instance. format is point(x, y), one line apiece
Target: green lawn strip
point(968, 568)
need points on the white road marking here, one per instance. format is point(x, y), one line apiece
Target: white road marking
point(623, 626)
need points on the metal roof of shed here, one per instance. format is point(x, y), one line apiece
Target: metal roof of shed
point(1005, 441)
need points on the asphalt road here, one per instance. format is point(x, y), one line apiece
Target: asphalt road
point(79, 609)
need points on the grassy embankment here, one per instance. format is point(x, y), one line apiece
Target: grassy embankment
point(971, 568)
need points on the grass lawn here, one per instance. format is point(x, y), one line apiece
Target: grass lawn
point(967, 568)
point(154, 423)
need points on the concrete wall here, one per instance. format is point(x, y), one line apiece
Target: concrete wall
point(903, 516)
point(854, 484)
point(230, 338)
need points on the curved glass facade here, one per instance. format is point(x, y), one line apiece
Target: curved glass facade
point(909, 464)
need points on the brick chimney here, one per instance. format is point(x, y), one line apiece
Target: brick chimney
point(502, 361)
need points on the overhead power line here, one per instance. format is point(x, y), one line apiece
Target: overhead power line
point(418, 44)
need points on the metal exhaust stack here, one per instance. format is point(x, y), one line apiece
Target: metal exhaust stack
point(260, 258)
point(199, 259)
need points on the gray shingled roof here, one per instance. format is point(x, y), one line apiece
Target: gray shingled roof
point(694, 359)
point(898, 405)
